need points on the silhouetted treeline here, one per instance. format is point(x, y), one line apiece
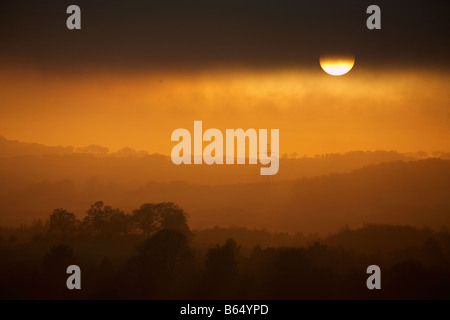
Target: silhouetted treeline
point(151, 254)
point(104, 222)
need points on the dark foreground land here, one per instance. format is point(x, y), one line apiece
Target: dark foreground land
point(171, 262)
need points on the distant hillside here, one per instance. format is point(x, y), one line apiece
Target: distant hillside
point(373, 239)
point(396, 192)
point(23, 163)
point(415, 192)
point(11, 148)
point(14, 148)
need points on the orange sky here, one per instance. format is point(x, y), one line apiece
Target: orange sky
point(403, 110)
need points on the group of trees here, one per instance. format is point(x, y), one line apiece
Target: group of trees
point(167, 266)
point(104, 221)
point(415, 263)
point(158, 260)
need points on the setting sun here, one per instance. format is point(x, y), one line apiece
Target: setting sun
point(337, 66)
point(195, 156)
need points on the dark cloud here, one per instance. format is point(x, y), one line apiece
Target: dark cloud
point(182, 34)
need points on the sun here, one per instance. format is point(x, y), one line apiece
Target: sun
point(337, 65)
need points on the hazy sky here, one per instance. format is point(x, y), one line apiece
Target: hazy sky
point(232, 64)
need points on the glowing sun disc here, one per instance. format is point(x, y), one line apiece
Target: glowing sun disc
point(336, 66)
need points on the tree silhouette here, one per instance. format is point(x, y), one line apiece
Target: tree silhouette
point(104, 221)
point(223, 260)
point(172, 217)
point(164, 251)
point(119, 223)
point(62, 222)
point(55, 265)
point(221, 269)
point(163, 265)
point(58, 258)
point(146, 218)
